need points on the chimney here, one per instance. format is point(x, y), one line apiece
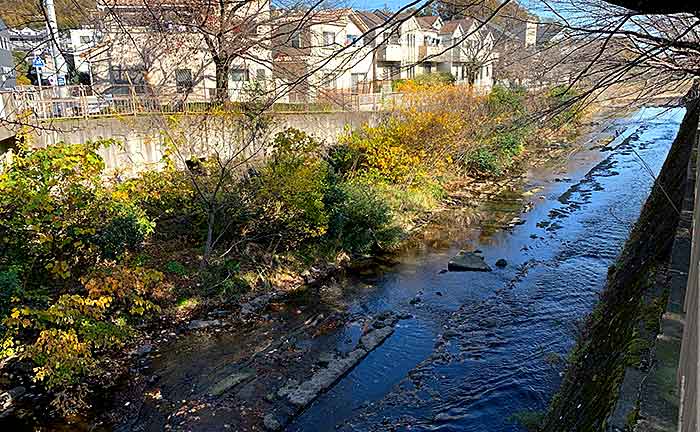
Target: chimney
point(530, 34)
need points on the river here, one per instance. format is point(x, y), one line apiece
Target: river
point(473, 349)
point(486, 346)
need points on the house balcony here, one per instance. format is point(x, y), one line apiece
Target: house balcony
point(434, 54)
point(391, 53)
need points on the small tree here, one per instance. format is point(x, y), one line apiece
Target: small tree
point(214, 153)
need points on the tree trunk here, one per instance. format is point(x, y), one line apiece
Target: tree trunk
point(222, 71)
point(210, 238)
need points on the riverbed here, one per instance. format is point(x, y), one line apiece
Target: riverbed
point(471, 351)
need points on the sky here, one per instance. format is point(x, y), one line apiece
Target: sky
point(534, 6)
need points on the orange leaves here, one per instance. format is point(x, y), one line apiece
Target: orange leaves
point(128, 286)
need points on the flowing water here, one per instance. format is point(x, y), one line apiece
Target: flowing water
point(485, 346)
point(479, 347)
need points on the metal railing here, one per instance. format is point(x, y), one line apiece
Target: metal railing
point(70, 102)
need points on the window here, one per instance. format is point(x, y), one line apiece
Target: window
point(411, 40)
point(296, 40)
point(428, 68)
point(183, 80)
point(356, 79)
point(238, 75)
point(85, 40)
point(260, 74)
point(328, 38)
point(126, 75)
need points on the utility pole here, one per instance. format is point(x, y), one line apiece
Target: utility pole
point(58, 60)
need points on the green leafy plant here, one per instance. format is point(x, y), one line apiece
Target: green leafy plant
point(291, 187)
point(175, 267)
point(360, 220)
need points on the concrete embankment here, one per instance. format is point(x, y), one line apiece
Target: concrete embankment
point(616, 370)
point(140, 139)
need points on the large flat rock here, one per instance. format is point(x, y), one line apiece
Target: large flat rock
point(467, 261)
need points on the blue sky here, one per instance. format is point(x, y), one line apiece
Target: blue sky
point(534, 5)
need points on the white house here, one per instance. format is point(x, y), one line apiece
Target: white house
point(162, 55)
point(423, 45)
point(471, 55)
point(78, 42)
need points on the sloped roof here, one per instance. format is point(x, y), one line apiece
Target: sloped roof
point(370, 19)
point(427, 22)
point(450, 27)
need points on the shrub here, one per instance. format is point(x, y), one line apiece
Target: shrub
point(359, 219)
point(484, 161)
point(291, 187)
point(345, 159)
point(63, 337)
point(435, 78)
point(58, 218)
point(506, 100)
point(65, 300)
point(168, 198)
point(175, 267)
point(510, 141)
point(384, 155)
point(563, 100)
point(125, 231)
point(10, 288)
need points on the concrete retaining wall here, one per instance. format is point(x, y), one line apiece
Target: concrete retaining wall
point(141, 137)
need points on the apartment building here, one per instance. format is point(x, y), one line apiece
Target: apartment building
point(325, 53)
point(152, 45)
point(362, 51)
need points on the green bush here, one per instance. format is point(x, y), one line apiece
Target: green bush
point(435, 78)
point(484, 161)
point(10, 289)
point(506, 100)
point(359, 219)
point(64, 301)
point(175, 267)
point(124, 232)
point(290, 189)
point(564, 101)
point(345, 159)
point(58, 217)
point(168, 198)
point(510, 142)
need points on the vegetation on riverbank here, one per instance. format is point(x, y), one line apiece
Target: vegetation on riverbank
point(88, 256)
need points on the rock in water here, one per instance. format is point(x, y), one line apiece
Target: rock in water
point(467, 261)
point(271, 423)
point(501, 263)
point(200, 324)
